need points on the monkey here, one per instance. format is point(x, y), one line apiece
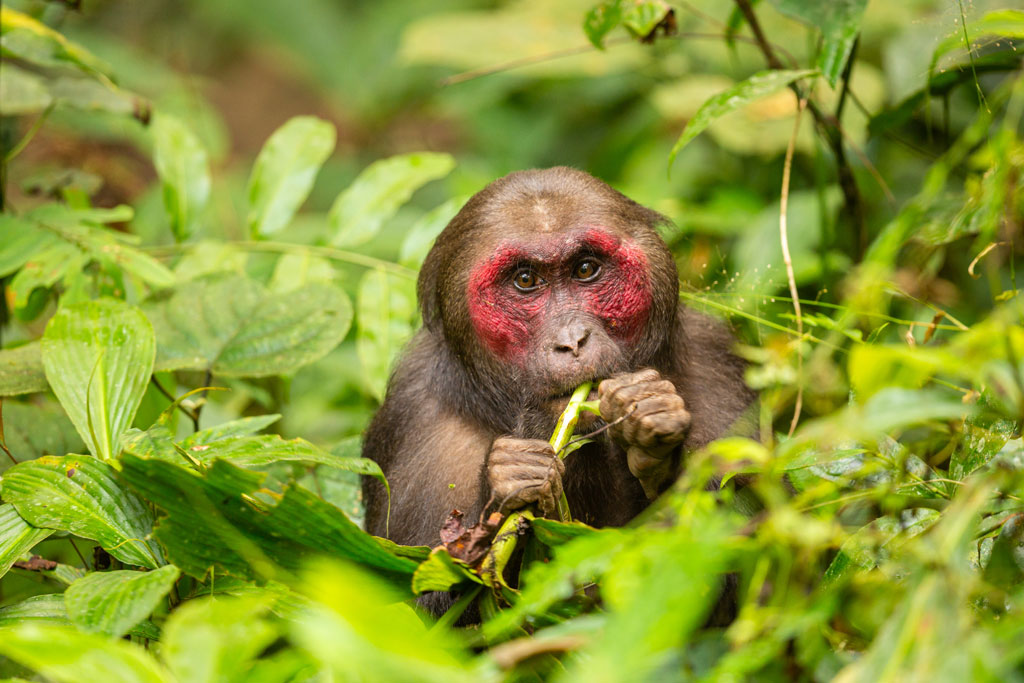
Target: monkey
point(543, 280)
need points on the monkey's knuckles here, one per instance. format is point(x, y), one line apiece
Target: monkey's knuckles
point(525, 471)
point(653, 415)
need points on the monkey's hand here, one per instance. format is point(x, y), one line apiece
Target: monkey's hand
point(525, 471)
point(654, 422)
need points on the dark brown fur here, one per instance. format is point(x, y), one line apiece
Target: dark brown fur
point(449, 398)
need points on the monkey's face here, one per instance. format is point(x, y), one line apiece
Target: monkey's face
point(562, 307)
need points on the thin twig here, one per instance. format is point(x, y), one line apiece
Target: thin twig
point(188, 413)
point(78, 552)
point(827, 124)
point(3, 436)
point(788, 260)
point(512, 64)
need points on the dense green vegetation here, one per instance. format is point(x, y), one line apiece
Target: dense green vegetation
point(213, 216)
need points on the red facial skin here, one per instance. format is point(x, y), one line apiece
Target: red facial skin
point(504, 317)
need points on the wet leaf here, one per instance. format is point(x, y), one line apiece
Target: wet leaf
point(111, 603)
point(98, 357)
point(82, 495)
point(231, 326)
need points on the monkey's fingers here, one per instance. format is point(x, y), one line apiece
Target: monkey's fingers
point(618, 398)
point(657, 421)
point(652, 472)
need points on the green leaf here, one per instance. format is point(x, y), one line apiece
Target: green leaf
point(17, 537)
point(46, 609)
point(35, 42)
point(243, 426)
point(35, 429)
point(420, 237)
point(295, 270)
point(21, 92)
point(386, 312)
point(214, 640)
point(21, 370)
point(184, 170)
point(113, 602)
point(212, 522)
point(641, 17)
point(839, 23)
point(757, 86)
point(66, 655)
point(53, 263)
point(20, 240)
point(91, 95)
point(601, 20)
point(82, 495)
point(1007, 23)
point(231, 326)
point(98, 357)
point(361, 631)
point(285, 169)
point(359, 212)
point(441, 572)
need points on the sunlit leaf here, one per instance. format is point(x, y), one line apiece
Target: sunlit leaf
point(182, 164)
point(82, 495)
point(359, 212)
point(441, 572)
point(757, 86)
point(17, 537)
point(66, 655)
point(839, 23)
point(113, 602)
point(210, 640)
point(46, 609)
point(420, 237)
point(98, 357)
point(285, 169)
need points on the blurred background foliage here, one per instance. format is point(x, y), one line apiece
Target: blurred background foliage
point(392, 77)
point(899, 552)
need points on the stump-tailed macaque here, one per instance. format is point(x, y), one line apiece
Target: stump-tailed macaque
point(546, 279)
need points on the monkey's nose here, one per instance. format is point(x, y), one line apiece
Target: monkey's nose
point(572, 338)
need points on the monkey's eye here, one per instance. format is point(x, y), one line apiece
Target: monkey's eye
point(586, 270)
point(526, 280)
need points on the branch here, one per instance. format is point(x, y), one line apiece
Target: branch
point(827, 124)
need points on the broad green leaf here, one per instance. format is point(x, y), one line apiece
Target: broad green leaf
point(21, 92)
point(441, 572)
point(641, 17)
point(21, 370)
point(362, 631)
point(113, 602)
point(30, 39)
point(17, 536)
point(384, 323)
point(215, 640)
point(46, 609)
point(53, 263)
point(184, 170)
point(91, 95)
point(82, 495)
point(420, 237)
point(873, 367)
point(295, 270)
point(233, 327)
point(35, 429)
point(285, 169)
point(20, 240)
point(1006, 23)
point(98, 357)
point(839, 23)
point(359, 212)
point(243, 426)
point(757, 86)
point(211, 522)
point(600, 20)
point(66, 655)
